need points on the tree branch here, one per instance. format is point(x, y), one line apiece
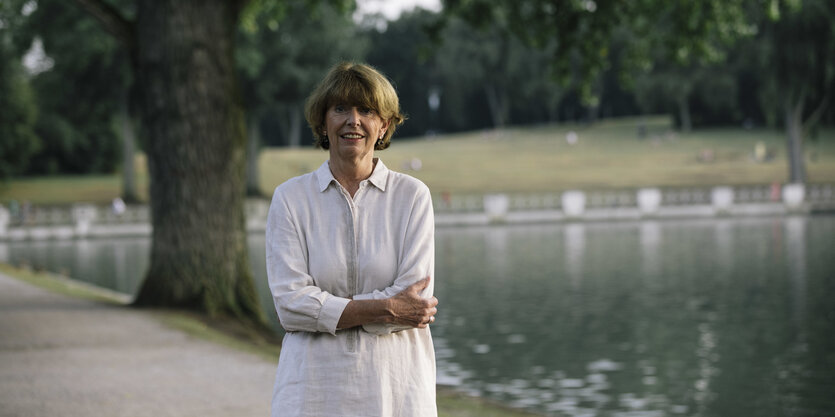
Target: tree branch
point(813, 118)
point(111, 20)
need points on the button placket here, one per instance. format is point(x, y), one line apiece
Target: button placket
point(353, 334)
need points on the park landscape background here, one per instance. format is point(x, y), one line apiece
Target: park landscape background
point(502, 96)
point(608, 155)
point(71, 117)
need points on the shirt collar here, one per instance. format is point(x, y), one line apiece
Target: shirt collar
point(380, 175)
point(324, 176)
point(378, 178)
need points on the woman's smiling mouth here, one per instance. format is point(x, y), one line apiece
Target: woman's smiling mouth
point(352, 136)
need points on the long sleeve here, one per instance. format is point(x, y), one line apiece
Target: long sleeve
point(324, 247)
point(416, 260)
point(300, 304)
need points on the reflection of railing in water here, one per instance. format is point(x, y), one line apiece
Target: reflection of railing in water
point(451, 209)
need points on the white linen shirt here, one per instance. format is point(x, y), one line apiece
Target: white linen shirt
point(323, 248)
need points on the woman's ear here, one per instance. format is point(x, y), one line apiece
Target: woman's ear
point(384, 127)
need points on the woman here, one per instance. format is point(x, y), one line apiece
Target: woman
point(350, 255)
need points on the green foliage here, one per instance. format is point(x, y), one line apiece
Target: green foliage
point(497, 70)
point(578, 32)
point(17, 114)
point(801, 54)
point(284, 63)
point(270, 14)
point(801, 51)
point(402, 52)
point(481, 78)
point(79, 97)
point(728, 61)
point(284, 51)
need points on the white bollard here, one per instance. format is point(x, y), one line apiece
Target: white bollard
point(722, 199)
point(4, 220)
point(793, 196)
point(496, 206)
point(83, 215)
point(649, 200)
point(573, 203)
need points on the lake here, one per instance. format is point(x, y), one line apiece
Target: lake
point(711, 317)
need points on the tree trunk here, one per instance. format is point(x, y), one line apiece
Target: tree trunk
point(684, 113)
point(594, 108)
point(794, 136)
point(294, 131)
point(253, 145)
point(129, 194)
point(497, 102)
point(196, 140)
point(593, 113)
point(553, 102)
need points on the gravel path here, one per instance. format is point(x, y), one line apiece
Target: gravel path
point(62, 356)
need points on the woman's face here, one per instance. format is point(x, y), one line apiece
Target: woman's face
point(353, 131)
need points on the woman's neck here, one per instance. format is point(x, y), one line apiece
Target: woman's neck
point(349, 174)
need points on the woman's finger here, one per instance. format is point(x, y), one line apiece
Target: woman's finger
point(422, 284)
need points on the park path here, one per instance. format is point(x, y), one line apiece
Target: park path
point(63, 356)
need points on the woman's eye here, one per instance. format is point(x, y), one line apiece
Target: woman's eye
point(339, 108)
point(366, 110)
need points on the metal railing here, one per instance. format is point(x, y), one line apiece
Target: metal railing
point(738, 200)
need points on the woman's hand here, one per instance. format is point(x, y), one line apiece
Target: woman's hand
point(410, 309)
point(406, 308)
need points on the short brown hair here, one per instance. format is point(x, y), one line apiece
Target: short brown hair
point(353, 84)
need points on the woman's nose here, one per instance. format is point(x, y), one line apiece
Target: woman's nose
point(353, 116)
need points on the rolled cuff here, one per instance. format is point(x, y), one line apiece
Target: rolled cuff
point(368, 296)
point(381, 329)
point(330, 313)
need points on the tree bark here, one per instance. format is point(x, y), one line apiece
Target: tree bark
point(195, 131)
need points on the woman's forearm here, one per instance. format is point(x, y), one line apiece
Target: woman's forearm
point(406, 308)
point(359, 312)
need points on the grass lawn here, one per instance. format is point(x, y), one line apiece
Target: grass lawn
point(67, 189)
point(608, 154)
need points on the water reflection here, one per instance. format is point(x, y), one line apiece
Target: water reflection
point(796, 248)
point(496, 241)
point(723, 238)
point(650, 244)
point(650, 318)
point(706, 317)
point(575, 247)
